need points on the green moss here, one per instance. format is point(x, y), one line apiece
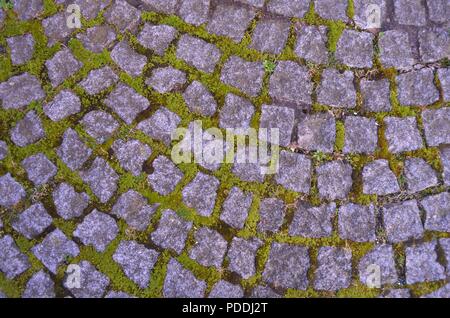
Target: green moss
point(351, 9)
point(340, 136)
point(335, 29)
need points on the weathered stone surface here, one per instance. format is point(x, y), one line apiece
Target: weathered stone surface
point(172, 231)
point(165, 176)
point(357, 222)
point(90, 9)
point(410, 12)
point(355, 49)
point(97, 229)
point(11, 191)
point(123, 15)
point(242, 256)
point(379, 259)
point(131, 154)
point(396, 293)
point(101, 178)
point(157, 37)
point(33, 221)
point(291, 83)
point(236, 113)
point(402, 221)
point(437, 208)
point(287, 266)
point(39, 169)
point(331, 9)
point(271, 215)
point(419, 175)
point(98, 80)
point(361, 135)
point(379, 179)
point(134, 209)
point(402, 134)
point(93, 283)
point(445, 161)
point(244, 169)
point(127, 59)
point(166, 79)
point(136, 261)
point(224, 289)
point(334, 269)
point(198, 53)
point(3, 150)
point(73, 152)
point(28, 130)
point(118, 294)
point(289, 8)
point(20, 90)
point(236, 207)
point(312, 44)
point(99, 125)
point(160, 125)
point(270, 35)
point(396, 50)
point(264, 292)
point(12, 261)
point(22, 48)
point(422, 263)
point(181, 283)
point(376, 95)
point(62, 66)
point(438, 10)
point(97, 38)
point(312, 222)
point(444, 78)
point(244, 75)
point(317, 132)
point(194, 11)
point(277, 117)
point(294, 172)
point(336, 89)
point(434, 44)
point(334, 180)
point(417, 88)
point(69, 203)
point(361, 7)
point(229, 20)
point(444, 244)
point(199, 99)
point(126, 103)
point(437, 126)
point(28, 9)
point(56, 29)
point(64, 104)
point(54, 250)
point(209, 248)
point(164, 6)
point(40, 285)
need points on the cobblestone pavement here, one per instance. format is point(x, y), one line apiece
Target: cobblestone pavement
point(92, 204)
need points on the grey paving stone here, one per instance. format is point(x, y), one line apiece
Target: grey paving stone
point(445, 161)
point(123, 16)
point(396, 293)
point(165, 176)
point(402, 221)
point(294, 172)
point(11, 191)
point(54, 250)
point(437, 208)
point(118, 294)
point(97, 38)
point(438, 10)
point(134, 209)
point(172, 231)
point(271, 215)
point(90, 9)
point(419, 175)
point(28, 130)
point(199, 99)
point(20, 90)
point(361, 135)
point(245, 76)
point(291, 83)
point(361, 9)
point(163, 6)
point(242, 256)
point(379, 179)
point(255, 3)
point(417, 88)
point(436, 123)
point(312, 222)
point(224, 289)
point(443, 292)
point(126, 103)
point(98, 80)
point(101, 178)
point(93, 283)
point(230, 20)
point(312, 44)
point(136, 261)
point(422, 264)
point(194, 11)
point(12, 261)
point(99, 125)
point(270, 35)
point(376, 95)
point(434, 44)
point(277, 117)
point(28, 9)
point(378, 260)
point(287, 266)
point(39, 169)
point(181, 283)
point(357, 222)
point(209, 248)
point(56, 29)
point(410, 12)
point(64, 104)
point(157, 37)
point(331, 9)
point(263, 292)
point(131, 154)
point(127, 59)
point(402, 134)
point(444, 244)
point(69, 204)
point(40, 285)
point(166, 79)
point(289, 8)
point(245, 169)
point(62, 66)
point(396, 50)
point(73, 152)
point(33, 221)
point(317, 132)
point(236, 207)
point(444, 79)
point(355, 49)
point(22, 48)
point(160, 125)
point(336, 89)
point(236, 113)
point(3, 150)
point(334, 269)
point(334, 180)
point(198, 53)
